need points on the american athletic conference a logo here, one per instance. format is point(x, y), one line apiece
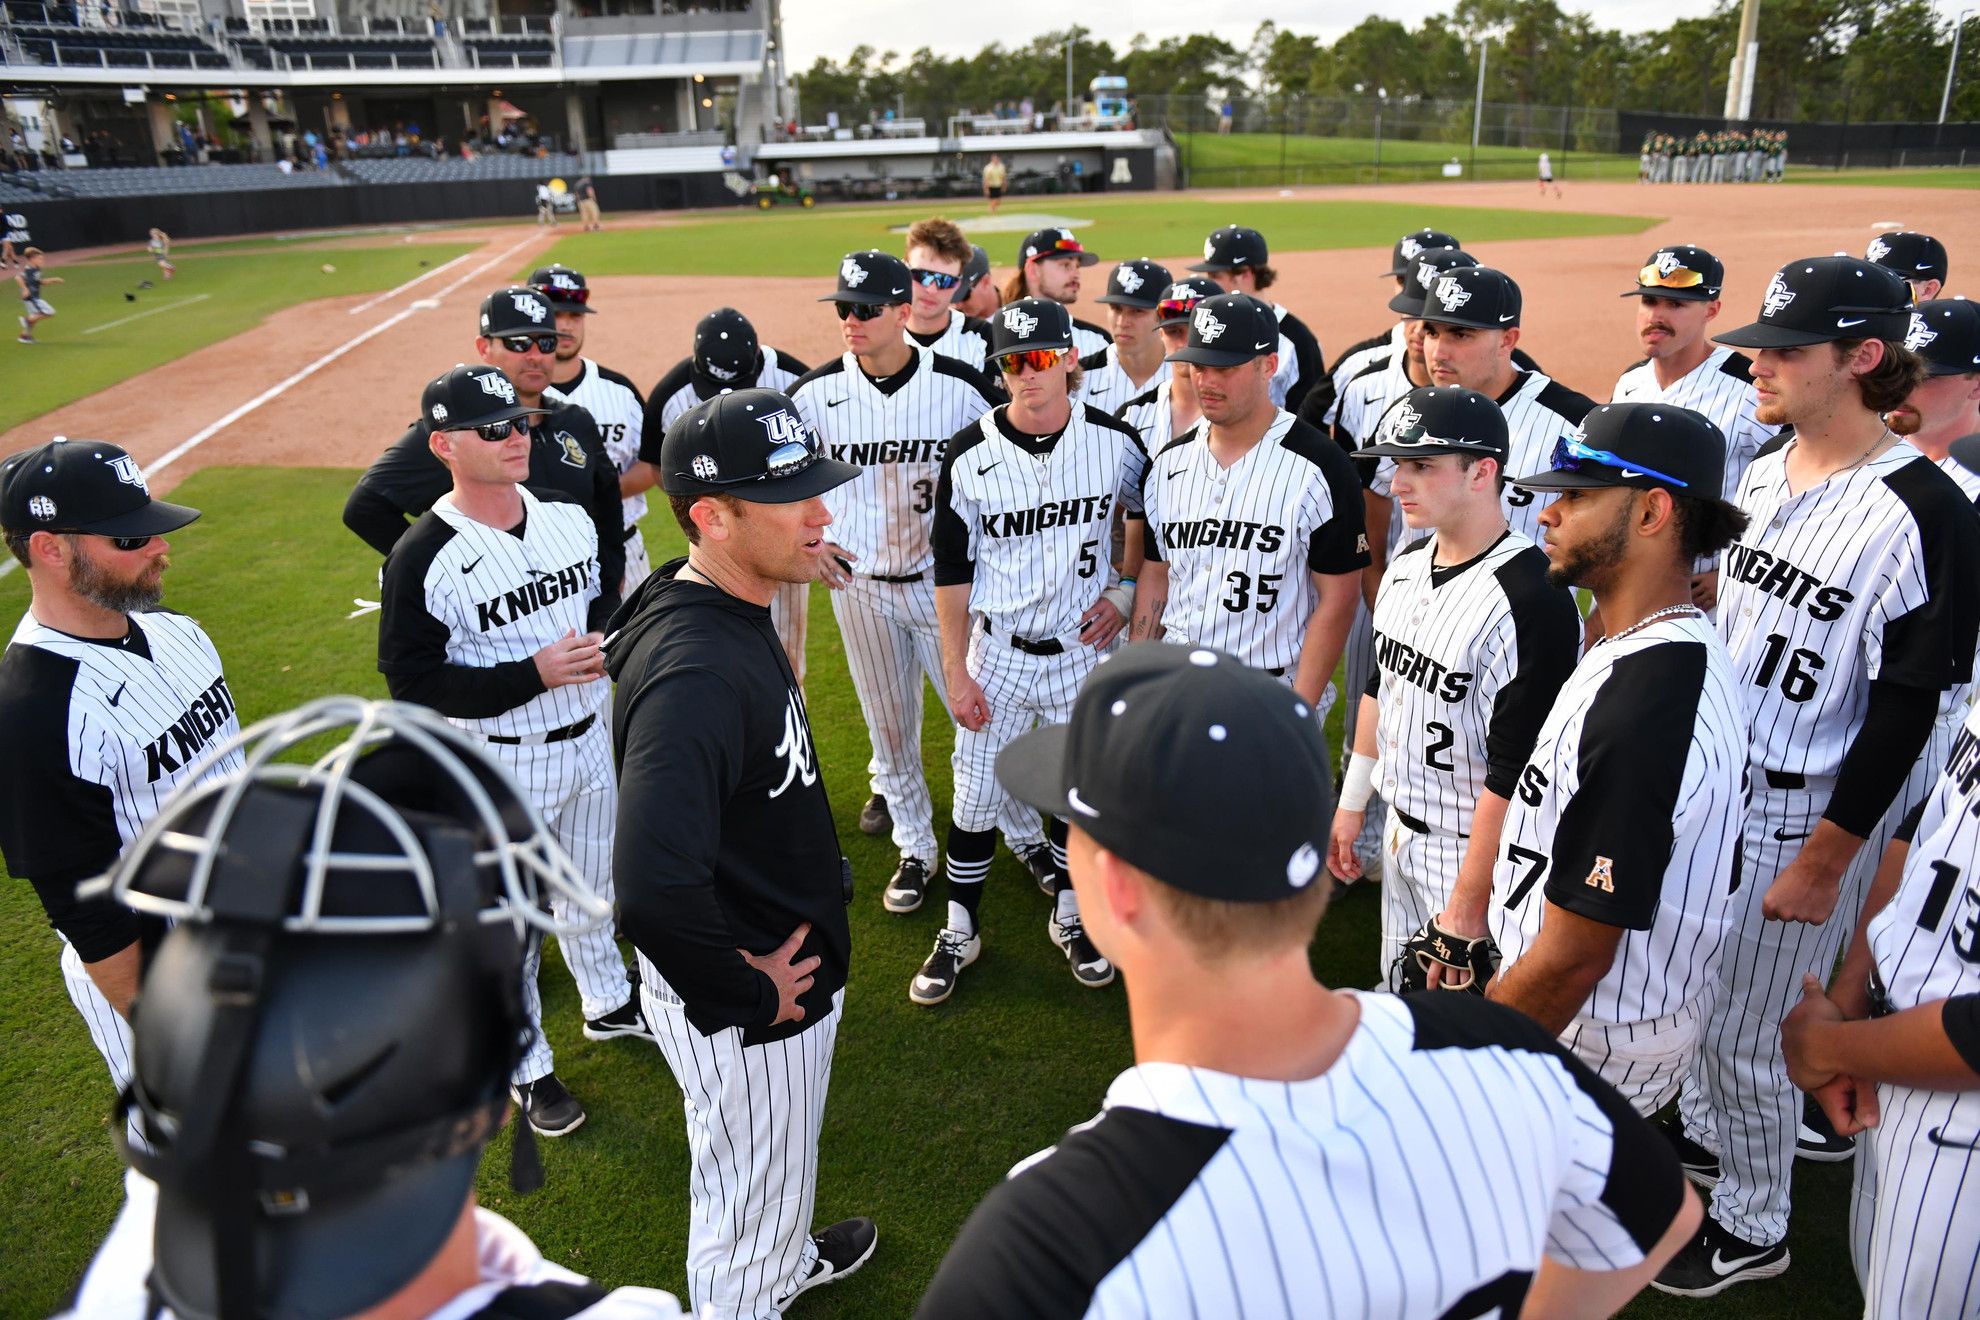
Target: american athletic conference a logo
point(800, 766)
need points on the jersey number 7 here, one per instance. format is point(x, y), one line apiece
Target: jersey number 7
point(1536, 866)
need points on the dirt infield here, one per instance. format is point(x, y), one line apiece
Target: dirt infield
point(331, 400)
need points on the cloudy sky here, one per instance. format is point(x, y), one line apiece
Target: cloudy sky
point(833, 27)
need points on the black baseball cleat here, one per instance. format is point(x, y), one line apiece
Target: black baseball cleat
point(1699, 1164)
point(1089, 967)
point(1715, 1260)
point(625, 1020)
point(936, 980)
point(1043, 868)
point(908, 887)
point(842, 1249)
point(1818, 1140)
point(874, 818)
point(552, 1111)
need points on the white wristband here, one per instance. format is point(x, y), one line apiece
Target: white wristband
point(1121, 597)
point(1358, 785)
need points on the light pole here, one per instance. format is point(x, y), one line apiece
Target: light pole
point(1478, 108)
point(1945, 101)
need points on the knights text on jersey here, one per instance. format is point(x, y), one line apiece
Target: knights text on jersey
point(1721, 388)
point(1198, 1194)
point(965, 339)
point(1864, 576)
point(474, 597)
point(615, 405)
point(683, 387)
point(1029, 525)
point(100, 733)
point(1539, 412)
point(1106, 384)
point(1630, 813)
point(1243, 543)
point(895, 431)
point(1468, 661)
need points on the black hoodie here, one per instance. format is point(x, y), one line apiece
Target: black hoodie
point(725, 837)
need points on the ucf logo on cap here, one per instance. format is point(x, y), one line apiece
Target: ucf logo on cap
point(1127, 279)
point(1668, 263)
point(1411, 249)
point(531, 306)
point(1920, 334)
point(784, 428)
point(1019, 322)
point(1401, 422)
point(852, 273)
point(129, 472)
point(1452, 294)
point(1779, 295)
point(495, 383)
point(1208, 328)
point(1878, 250)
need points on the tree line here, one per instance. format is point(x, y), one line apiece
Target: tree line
point(1860, 60)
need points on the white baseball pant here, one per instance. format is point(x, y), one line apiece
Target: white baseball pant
point(107, 1026)
point(1915, 1207)
point(1024, 690)
point(638, 566)
point(1359, 662)
point(573, 785)
point(1418, 871)
point(1738, 1099)
point(1645, 1061)
point(753, 1115)
point(788, 616)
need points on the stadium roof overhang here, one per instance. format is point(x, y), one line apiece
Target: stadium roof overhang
point(24, 78)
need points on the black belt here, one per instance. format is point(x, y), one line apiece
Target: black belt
point(1786, 779)
point(1416, 826)
point(629, 533)
point(565, 734)
point(1050, 646)
point(903, 580)
point(1280, 672)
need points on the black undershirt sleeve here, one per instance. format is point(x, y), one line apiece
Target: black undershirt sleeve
point(1907, 830)
point(1961, 1018)
point(948, 537)
point(1547, 639)
point(97, 927)
point(412, 651)
point(1895, 729)
point(378, 522)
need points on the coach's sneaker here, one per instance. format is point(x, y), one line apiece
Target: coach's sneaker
point(1089, 968)
point(1715, 1260)
point(625, 1020)
point(1044, 869)
point(874, 818)
point(842, 1249)
point(908, 887)
point(1819, 1141)
point(936, 980)
point(552, 1111)
point(1699, 1164)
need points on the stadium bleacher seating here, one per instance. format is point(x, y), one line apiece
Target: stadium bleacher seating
point(338, 51)
point(155, 181)
point(413, 170)
point(117, 48)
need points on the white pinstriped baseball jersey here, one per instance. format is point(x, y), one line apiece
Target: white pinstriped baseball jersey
point(1030, 526)
point(1631, 810)
point(1088, 338)
point(965, 339)
point(1357, 360)
point(497, 598)
point(1198, 1193)
point(1854, 579)
point(895, 431)
point(1468, 660)
point(1243, 543)
point(1107, 386)
point(1721, 388)
point(1959, 697)
point(1152, 415)
point(676, 392)
point(1539, 411)
point(616, 406)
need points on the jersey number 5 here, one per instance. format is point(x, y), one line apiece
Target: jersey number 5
point(1238, 584)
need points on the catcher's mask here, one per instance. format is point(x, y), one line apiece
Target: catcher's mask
point(323, 1042)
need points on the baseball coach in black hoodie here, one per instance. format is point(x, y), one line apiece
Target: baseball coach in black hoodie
point(730, 880)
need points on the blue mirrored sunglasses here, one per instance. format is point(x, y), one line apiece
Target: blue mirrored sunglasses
point(1570, 454)
point(934, 279)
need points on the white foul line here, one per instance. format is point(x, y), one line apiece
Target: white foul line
point(149, 311)
point(367, 306)
point(185, 447)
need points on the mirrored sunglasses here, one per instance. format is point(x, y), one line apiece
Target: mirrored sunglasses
point(545, 343)
point(933, 279)
point(859, 311)
point(1038, 359)
point(1682, 277)
point(1570, 454)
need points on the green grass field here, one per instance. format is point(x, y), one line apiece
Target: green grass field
point(1950, 177)
point(218, 293)
point(1237, 160)
point(811, 242)
point(929, 1107)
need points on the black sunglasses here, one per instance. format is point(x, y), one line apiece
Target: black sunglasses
point(121, 542)
point(933, 279)
point(503, 430)
point(786, 460)
point(860, 311)
point(546, 343)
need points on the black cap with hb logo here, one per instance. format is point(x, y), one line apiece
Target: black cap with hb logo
point(82, 486)
point(1823, 299)
point(751, 444)
point(1209, 775)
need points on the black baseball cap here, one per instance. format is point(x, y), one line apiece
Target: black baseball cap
point(1232, 248)
point(1644, 445)
point(1683, 272)
point(1822, 299)
point(977, 268)
point(564, 287)
point(1966, 452)
point(1182, 297)
point(1137, 283)
point(1411, 246)
point(517, 310)
point(1227, 330)
point(1055, 243)
point(872, 277)
point(751, 444)
point(1441, 419)
point(470, 396)
point(83, 486)
point(1206, 773)
point(1027, 324)
point(1475, 296)
point(1422, 273)
point(1945, 332)
point(725, 346)
point(1912, 255)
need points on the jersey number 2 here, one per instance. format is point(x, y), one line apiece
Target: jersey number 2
point(1441, 738)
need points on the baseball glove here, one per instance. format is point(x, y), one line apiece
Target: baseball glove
point(1433, 944)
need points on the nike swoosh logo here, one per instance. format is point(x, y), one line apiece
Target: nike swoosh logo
point(1509, 316)
point(1841, 323)
point(1722, 1267)
point(1079, 804)
point(1177, 473)
point(1260, 348)
point(1937, 1137)
point(1785, 837)
point(833, 403)
point(118, 695)
point(980, 471)
point(1631, 472)
point(469, 568)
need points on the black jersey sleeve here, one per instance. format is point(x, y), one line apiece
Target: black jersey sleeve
point(1312, 375)
point(956, 367)
point(1613, 839)
point(1961, 1018)
point(1897, 723)
point(651, 429)
point(400, 484)
point(1931, 646)
point(1547, 645)
point(602, 499)
point(412, 644)
point(1339, 545)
